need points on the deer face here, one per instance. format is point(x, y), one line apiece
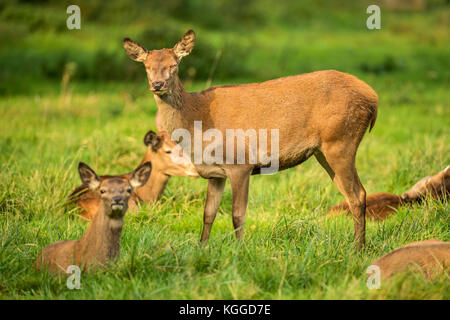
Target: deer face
point(160, 151)
point(114, 191)
point(161, 65)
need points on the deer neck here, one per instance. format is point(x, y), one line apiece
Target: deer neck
point(175, 108)
point(102, 239)
point(154, 187)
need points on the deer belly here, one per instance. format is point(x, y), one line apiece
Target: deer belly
point(210, 171)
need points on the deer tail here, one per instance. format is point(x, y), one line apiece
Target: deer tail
point(374, 118)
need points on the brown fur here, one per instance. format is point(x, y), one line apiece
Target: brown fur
point(159, 148)
point(324, 113)
point(432, 257)
point(436, 186)
point(380, 205)
point(101, 242)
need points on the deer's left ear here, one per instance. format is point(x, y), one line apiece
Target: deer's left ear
point(88, 176)
point(151, 139)
point(134, 50)
point(185, 45)
point(140, 176)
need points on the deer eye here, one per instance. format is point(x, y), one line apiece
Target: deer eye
point(129, 190)
point(102, 191)
point(169, 151)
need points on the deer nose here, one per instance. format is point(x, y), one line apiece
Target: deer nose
point(157, 85)
point(117, 199)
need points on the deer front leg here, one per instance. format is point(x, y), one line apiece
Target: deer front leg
point(239, 180)
point(213, 197)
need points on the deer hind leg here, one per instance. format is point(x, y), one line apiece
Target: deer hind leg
point(239, 180)
point(340, 165)
point(213, 197)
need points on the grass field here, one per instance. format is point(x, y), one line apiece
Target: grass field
point(292, 250)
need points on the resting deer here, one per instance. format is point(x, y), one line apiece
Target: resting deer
point(380, 205)
point(324, 113)
point(101, 242)
point(436, 186)
point(159, 154)
point(432, 257)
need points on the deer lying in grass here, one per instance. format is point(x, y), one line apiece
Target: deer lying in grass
point(436, 186)
point(101, 242)
point(324, 113)
point(432, 257)
point(380, 205)
point(159, 152)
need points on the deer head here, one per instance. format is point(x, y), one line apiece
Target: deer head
point(114, 191)
point(436, 186)
point(160, 151)
point(161, 65)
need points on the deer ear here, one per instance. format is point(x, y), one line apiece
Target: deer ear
point(185, 45)
point(151, 139)
point(88, 176)
point(446, 171)
point(134, 50)
point(140, 176)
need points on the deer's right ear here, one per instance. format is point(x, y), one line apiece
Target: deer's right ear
point(134, 50)
point(183, 47)
point(140, 176)
point(88, 176)
point(151, 139)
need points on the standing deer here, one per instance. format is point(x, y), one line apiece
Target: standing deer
point(324, 113)
point(101, 242)
point(159, 154)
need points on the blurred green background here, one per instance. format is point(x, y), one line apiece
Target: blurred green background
point(237, 40)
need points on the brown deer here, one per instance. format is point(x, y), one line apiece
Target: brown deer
point(436, 186)
point(380, 205)
point(432, 257)
point(159, 154)
point(101, 242)
point(324, 113)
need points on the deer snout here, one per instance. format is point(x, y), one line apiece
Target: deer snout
point(157, 85)
point(117, 200)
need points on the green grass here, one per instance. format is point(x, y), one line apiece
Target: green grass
point(292, 250)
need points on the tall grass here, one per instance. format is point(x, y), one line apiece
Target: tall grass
point(292, 249)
